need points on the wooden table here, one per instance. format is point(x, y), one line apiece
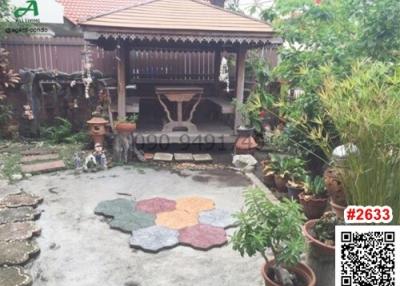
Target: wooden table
point(179, 95)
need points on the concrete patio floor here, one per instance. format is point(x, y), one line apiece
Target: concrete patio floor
point(79, 249)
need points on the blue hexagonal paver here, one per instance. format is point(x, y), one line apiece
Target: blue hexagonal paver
point(154, 238)
point(132, 221)
point(217, 218)
point(115, 207)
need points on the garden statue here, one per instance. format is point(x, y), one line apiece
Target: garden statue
point(77, 162)
point(28, 112)
point(100, 156)
point(224, 73)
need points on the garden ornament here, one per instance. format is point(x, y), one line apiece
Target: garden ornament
point(28, 112)
point(100, 156)
point(77, 162)
point(224, 73)
point(90, 163)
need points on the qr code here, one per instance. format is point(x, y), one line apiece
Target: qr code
point(365, 256)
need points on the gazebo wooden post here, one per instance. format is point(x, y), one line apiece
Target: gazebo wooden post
point(240, 74)
point(122, 56)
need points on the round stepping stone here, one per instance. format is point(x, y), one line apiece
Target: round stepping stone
point(154, 238)
point(156, 205)
point(17, 252)
point(177, 219)
point(14, 276)
point(9, 215)
point(20, 199)
point(194, 204)
point(132, 221)
point(18, 231)
point(203, 237)
point(217, 218)
point(115, 207)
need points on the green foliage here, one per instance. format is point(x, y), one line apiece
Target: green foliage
point(292, 168)
point(132, 118)
point(315, 186)
point(62, 133)
point(364, 108)
point(263, 225)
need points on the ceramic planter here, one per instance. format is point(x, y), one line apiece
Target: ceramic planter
point(338, 209)
point(125, 127)
point(300, 270)
point(313, 207)
point(280, 183)
point(319, 246)
point(294, 191)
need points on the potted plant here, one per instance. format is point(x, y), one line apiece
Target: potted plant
point(321, 233)
point(314, 199)
point(278, 165)
point(296, 172)
point(245, 142)
point(277, 227)
point(128, 125)
point(268, 174)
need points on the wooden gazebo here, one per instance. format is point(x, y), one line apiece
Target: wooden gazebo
point(168, 65)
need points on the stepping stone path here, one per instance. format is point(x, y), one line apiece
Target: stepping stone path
point(154, 238)
point(18, 231)
point(183, 157)
point(41, 161)
point(20, 199)
point(9, 215)
point(17, 252)
point(14, 276)
point(166, 157)
point(217, 218)
point(17, 212)
point(202, 236)
point(191, 221)
point(202, 158)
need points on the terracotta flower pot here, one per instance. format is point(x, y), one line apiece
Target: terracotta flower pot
point(300, 270)
point(338, 209)
point(313, 207)
point(318, 245)
point(334, 187)
point(280, 183)
point(125, 127)
point(294, 191)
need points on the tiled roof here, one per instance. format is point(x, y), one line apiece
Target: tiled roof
point(179, 15)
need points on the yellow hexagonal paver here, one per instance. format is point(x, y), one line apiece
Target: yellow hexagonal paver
point(176, 219)
point(194, 204)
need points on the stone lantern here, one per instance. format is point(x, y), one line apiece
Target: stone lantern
point(97, 129)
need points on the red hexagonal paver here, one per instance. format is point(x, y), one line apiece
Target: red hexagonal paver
point(156, 205)
point(203, 237)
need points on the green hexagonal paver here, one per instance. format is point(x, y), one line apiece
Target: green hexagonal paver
point(154, 238)
point(8, 215)
point(17, 252)
point(14, 276)
point(115, 207)
point(132, 221)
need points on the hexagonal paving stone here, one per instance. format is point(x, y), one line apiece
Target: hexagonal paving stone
point(14, 276)
point(17, 252)
point(115, 207)
point(217, 218)
point(8, 215)
point(18, 231)
point(132, 221)
point(156, 205)
point(20, 199)
point(194, 204)
point(177, 219)
point(203, 237)
point(154, 238)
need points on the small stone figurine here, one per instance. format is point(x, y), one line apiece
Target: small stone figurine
point(100, 156)
point(77, 162)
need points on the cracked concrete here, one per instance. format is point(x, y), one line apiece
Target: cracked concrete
point(79, 249)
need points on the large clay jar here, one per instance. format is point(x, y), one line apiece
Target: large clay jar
point(245, 143)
